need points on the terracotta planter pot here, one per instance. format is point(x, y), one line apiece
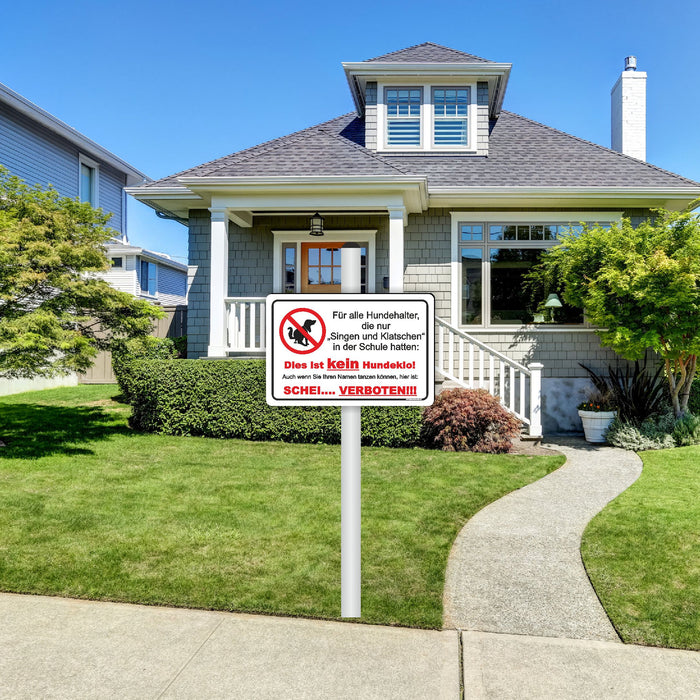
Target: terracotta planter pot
point(596, 424)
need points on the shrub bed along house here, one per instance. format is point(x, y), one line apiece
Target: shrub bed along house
point(219, 399)
point(213, 398)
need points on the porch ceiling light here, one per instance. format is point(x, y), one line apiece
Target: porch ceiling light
point(553, 302)
point(316, 225)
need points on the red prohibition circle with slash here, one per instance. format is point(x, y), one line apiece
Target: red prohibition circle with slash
point(300, 332)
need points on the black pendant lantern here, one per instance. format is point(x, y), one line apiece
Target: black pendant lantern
point(316, 225)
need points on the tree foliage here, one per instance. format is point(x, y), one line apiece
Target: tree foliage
point(641, 287)
point(55, 313)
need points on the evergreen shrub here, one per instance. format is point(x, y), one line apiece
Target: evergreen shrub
point(686, 431)
point(654, 433)
point(124, 352)
point(226, 399)
point(694, 399)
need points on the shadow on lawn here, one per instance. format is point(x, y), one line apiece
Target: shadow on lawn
point(31, 430)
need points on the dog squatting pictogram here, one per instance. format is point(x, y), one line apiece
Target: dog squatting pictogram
point(302, 331)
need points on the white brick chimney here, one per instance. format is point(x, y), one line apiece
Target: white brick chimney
point(629, 111)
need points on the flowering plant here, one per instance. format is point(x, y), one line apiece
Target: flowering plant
point(598, 403)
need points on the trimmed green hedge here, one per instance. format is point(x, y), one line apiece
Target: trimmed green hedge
point(226, 399)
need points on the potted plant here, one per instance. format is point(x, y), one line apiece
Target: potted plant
point(596, 415)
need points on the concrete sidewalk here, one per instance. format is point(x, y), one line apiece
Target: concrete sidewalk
point(59, 648)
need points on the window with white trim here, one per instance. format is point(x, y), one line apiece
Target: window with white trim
point(149, 278)
point(403, 116)
point(88, 180)
point(450, 114)
point(494, 259)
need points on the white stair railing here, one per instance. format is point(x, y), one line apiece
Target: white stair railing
point(245, 324)
point(468, 362)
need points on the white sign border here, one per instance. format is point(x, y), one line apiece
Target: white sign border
point(305, 299)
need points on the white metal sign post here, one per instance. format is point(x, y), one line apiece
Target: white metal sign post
point(350, 350)
point(350, 467)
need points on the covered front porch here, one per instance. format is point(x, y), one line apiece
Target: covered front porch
point(253, 240)
point(461, 360)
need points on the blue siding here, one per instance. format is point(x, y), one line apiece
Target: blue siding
point(172, 285)
point(41, 157)
point(111, 184)
point(36, 154)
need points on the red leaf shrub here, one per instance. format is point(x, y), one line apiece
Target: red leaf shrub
point(468, 420)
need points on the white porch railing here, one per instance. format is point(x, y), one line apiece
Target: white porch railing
point(245, 324)
point(460, 358)
point(468, 362)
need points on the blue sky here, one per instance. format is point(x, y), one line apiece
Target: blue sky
point(167, 86)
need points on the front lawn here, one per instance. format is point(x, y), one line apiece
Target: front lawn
point(642, 553)
point(90, 509)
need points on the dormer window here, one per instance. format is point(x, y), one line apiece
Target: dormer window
point(427, 117)
point(451, 106)
point(403, 107)
point(428, 99)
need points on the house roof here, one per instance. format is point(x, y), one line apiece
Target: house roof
point(427, 52)
point(429, 60)
point(119, 248)
point(522, 153)
point(86, 145)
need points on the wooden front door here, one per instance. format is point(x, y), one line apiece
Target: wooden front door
point(320, 268)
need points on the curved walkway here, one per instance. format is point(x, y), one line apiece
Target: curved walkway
point(516, 566)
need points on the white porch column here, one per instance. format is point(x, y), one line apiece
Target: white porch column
point(218, 283)
point(396, 221)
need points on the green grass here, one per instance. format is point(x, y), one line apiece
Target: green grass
point(642, 553)
point(90, 509)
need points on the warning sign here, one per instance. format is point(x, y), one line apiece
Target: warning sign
point(350, 349)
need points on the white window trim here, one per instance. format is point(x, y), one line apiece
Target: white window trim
point(85, 160)
point(495, 217)
point(471, 114)
point(280, 238)
point(421, 118)
point(144, 292)
point(426, 118)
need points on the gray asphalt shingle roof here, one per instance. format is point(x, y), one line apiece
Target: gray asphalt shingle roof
point(427, 53)
point(521, 153)
point(524, 153)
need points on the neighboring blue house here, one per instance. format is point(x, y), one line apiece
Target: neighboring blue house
point(43, 150)
point(153, 276)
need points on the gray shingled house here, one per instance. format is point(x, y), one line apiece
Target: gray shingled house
point(446, 193)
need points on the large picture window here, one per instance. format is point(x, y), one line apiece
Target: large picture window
point(490, 284)
point(513, 300)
